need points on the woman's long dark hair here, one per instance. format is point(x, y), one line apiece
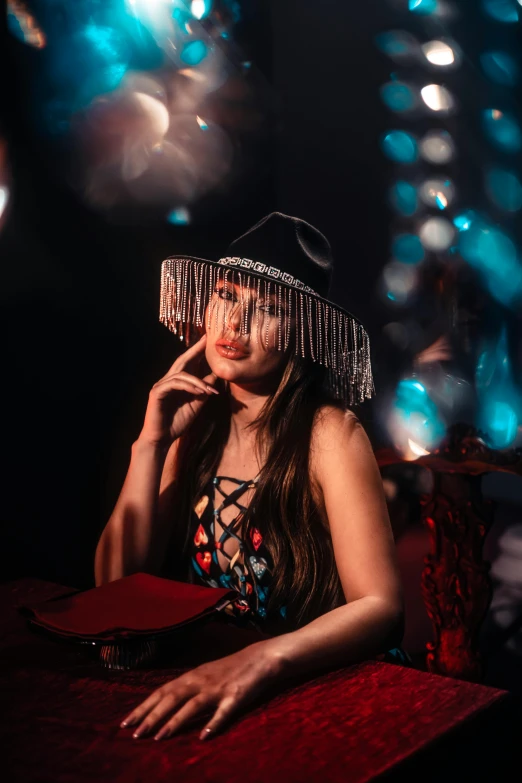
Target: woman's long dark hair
point(305, 577)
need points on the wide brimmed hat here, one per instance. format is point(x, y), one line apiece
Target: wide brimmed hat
point(288, 263)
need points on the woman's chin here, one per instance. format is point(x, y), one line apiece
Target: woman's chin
point(226, 370)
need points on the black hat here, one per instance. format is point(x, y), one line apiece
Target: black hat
point(287, 243)
point(292, 260)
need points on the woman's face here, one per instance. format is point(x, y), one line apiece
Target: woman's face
point(246, 358)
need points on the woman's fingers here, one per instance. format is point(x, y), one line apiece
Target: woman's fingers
point(206, 387)
point(189, 354)
point(188, 711)
point(136, 715)
point(227, 707)
point(184, 382)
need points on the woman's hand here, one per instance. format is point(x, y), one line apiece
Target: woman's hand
point(220, 687)
point(176, 399)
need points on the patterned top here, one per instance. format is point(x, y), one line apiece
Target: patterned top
point(248, 570)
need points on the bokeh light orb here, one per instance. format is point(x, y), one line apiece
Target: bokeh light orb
point(502, 129)
point(397, 96)
point(440, 53)
point(436, 234)
point(400, 146)
point(437, 98)
point(397, 44)
point(179, 216)
point(200, 9)
point(407, 248)
point(500, 67)
point(437, 147)
point(399, 281)
point(423, 7)
point(403, 197)
point(504, 189)
point(194, 52)
point(499, 422)
point(501, 10)
point(437, 193)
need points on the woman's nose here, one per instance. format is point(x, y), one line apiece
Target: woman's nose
point(233, 316)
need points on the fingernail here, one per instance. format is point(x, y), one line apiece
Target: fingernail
point(123, 724)
point(204, 734)
point(137, 734)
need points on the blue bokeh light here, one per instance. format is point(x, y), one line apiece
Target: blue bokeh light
point(397, 96)
point(502, 129)
point(396, 43)
point(493, 254)
point(403, 197)
point(407, 248)
point(504, 189)
point(500, 403)
point(179, 217)
point(500, 67)
point(501, 10)
point(400, 146)
point(418, 413)
point(423, 7)
point(194, 52)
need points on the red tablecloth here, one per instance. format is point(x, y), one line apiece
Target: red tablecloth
point(61, 711)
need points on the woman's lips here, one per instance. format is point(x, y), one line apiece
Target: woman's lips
point(229, 351)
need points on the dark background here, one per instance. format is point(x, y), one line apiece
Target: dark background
point(80, 295)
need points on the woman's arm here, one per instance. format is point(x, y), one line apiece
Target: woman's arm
point(135, 536)
point(372, 621)
point(345, 469)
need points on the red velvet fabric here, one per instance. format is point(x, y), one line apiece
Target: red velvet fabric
point(131, 607)
point(61, 713)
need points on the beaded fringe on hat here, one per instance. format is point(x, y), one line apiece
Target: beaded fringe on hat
point(322, 332)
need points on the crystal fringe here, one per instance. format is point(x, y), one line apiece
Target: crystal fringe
point(336, 340)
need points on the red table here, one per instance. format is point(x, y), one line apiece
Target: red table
point(61, 712)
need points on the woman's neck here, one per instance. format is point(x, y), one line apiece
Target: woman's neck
point(245, 407)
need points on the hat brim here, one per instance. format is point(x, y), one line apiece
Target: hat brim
point(324, 331)
point(271, 279)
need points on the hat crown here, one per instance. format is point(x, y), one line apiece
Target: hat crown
point(291, 245)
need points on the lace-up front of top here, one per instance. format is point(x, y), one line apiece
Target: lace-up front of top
point(221, 558)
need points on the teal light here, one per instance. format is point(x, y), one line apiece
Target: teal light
point(397, 96)
point(394, 44)
point(183, 18)
point(418, 413)
point(403, 197)
point(407, 248)
point(463, 221)
point(499, 422)
point(489, 250)
point(424, 7)
point(500, 406)
point(194, 52)
point(399, 146)
point(501, 10)
point(504, 189)
point(179, 217)
point(502, 130)
point(500, 67)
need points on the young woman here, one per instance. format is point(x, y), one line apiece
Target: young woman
point(252, 473)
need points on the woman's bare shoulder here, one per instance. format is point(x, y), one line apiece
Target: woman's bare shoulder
point(331, 421)
point(332, 428)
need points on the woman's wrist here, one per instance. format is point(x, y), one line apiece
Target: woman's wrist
point(273, 652)
point(142, 443)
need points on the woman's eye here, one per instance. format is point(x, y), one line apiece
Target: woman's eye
point(270, 309)
point(224, 293)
